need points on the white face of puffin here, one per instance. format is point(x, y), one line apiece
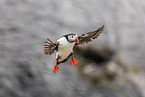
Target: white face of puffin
point(72, 38)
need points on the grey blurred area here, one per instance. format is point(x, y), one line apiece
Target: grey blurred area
point(113, 65)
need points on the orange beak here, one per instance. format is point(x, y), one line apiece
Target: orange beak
point(77, 40)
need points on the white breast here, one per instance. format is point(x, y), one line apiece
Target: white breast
point(64, 48)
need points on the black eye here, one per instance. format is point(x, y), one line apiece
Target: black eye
point(72, 36)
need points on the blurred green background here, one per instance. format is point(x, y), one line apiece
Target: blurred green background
point(113, 65)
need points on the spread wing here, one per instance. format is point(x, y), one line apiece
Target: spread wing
point(50, 47)
point(85, 38)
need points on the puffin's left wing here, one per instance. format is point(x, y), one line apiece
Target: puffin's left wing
point(50, 47)
point(85, 38)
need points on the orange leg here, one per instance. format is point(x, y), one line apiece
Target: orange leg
point(73, 61)
point(55, 67)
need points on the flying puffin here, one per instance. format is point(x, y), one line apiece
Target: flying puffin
point(65, 44)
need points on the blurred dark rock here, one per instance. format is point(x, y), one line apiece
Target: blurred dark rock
point(94, 55)
point(112, 65)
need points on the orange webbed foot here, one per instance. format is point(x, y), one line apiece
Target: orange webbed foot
point(73, 61)
point(55, 67)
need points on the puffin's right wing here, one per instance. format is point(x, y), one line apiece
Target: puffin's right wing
point(87, 37)
point(50, 47)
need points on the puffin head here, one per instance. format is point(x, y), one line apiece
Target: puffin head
point(72, 38)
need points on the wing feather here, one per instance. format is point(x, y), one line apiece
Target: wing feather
point(87, 37)
point(49, 47)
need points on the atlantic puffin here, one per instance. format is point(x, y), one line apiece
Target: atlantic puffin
point(65, 44)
